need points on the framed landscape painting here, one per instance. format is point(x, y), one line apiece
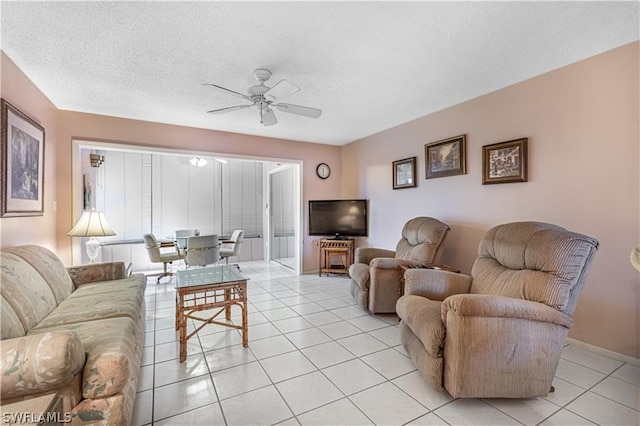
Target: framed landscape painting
point(446, 157)
point(505, 162)
point(22, 142)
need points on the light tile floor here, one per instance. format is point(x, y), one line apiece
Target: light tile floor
point(315, 358)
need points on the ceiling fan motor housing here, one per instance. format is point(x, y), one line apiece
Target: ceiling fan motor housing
point(258, 90)
point(262, 75)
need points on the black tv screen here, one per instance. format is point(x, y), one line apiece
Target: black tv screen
point(338, 218)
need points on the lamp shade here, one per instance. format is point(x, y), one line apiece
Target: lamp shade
point(91, 224)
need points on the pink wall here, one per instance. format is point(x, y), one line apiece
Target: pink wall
point(582, 122)
point(63, 126)
point(24, 95)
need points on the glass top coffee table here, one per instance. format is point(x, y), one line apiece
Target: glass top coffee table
point(214, 287)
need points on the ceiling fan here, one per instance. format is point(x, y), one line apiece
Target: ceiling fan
point(263, 97)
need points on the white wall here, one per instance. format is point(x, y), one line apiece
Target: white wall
point(582, 122)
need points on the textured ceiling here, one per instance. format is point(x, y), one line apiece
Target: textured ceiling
point(368, 65)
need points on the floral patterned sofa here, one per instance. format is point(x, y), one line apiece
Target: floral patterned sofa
point(76, 331)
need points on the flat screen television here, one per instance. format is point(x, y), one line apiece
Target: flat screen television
point(338, 218)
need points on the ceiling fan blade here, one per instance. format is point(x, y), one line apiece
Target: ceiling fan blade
point(281, 90)
point(228, 91)
point(300, 110)
point(267, 117)
point(228, 109)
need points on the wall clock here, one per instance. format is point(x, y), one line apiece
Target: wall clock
point(323, 170)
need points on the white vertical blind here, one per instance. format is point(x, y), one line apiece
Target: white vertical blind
point(163, 193)
point(122, 187)
point(242, 197)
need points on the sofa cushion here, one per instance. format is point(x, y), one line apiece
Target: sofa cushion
point(532, 261)
point(9, 321)
point(422, 316)
point(40, 363)
point(48, 266)
point(24, 289)
point(113, 348)
point(107, 299)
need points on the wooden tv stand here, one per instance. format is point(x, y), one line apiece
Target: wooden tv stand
point(336, 248)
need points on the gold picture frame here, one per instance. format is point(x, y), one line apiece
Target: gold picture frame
point(505, 162)
point(446, 157)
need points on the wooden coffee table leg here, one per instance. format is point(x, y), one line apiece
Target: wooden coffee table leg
point(177, 310)
point(182, 326)
point(227, 309)
point(245, 326)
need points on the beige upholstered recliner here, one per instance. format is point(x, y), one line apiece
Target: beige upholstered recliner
point(499, 332)
point(375, 277)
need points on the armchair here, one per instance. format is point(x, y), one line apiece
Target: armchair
point(156, 255)
point(499, 332)
point(375, 276)
point(202, 250)
point(181, 238)
point(231, 247)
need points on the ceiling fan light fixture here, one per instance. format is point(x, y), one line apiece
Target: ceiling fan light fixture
point(198, 162)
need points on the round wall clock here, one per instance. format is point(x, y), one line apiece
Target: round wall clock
point(323, 170)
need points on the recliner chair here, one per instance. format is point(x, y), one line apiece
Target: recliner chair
point(375, 276)
point(498, 333)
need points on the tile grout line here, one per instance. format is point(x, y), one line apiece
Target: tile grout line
point(294, 285)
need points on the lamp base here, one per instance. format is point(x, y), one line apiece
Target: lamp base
point(93, 249)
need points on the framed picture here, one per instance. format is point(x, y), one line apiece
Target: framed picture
point(22, 160)
point(505, 162)
point(404, 173)
point(446, 157)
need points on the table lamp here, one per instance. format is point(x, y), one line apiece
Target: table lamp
point(92, 224)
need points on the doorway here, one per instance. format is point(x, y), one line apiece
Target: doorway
point(284, 212)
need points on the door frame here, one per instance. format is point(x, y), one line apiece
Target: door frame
point(297, 213)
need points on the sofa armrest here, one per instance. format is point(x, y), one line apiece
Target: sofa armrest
point(485, 305)
point(94, 272)
point(367, 254)
point(40, 362)
point(435, 284)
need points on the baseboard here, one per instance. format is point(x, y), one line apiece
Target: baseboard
point(605, 352)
